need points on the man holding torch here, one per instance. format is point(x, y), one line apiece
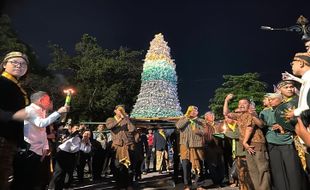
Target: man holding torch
point(35, 135)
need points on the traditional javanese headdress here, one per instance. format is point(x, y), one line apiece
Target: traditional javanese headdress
point(190, 109)
point(15, 54)
point(284, 82)
point(304, 56)
point(274, 95)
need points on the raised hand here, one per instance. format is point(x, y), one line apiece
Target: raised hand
point(287, 76)
point(229, 97)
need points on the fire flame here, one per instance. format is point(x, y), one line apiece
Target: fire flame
point(68, 91)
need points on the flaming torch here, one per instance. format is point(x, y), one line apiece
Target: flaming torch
point(68, 93)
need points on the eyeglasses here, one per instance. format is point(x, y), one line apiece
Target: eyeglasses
point(16, 63)
point(292, 63)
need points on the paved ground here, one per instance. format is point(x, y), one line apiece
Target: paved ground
point(151, 181)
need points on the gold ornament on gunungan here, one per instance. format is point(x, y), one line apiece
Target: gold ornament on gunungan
point(159, 50)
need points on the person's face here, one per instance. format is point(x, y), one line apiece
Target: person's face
point(288, 90)
point(209, 117)
point(307, 45)
point(16, 66)
point(46, 103)
point(194, 113)
point(243, 105)
point(118, 112)
point(275, 101)
point(266, 102)
point(100, 127)
point(86, 134)
point(150, 131)
point(74, 128)
point(296, 67)
point(82, 126)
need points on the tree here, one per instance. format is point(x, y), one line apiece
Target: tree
point(9, 41)
point(242, 86)
point(158, 96)
point(102, 78)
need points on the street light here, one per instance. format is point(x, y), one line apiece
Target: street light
point(302, 27)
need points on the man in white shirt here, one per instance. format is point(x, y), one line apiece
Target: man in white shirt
point(35, 134)
point(301, 67)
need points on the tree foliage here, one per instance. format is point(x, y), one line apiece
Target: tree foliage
point(9, 41)
point(242, 86)
point(102, 78)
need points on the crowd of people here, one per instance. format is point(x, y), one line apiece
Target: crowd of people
point(266, 150)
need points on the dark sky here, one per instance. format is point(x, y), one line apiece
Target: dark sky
point(208, 38)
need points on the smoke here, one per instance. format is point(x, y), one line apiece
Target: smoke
point(61, 80)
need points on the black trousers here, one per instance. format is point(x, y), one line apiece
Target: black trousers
point(150, 156)
point(286, 169)
point(31, 172)
point(97, 163)
point(186, 167)
point(83, 159)
point(65, 163)
point(107, 159)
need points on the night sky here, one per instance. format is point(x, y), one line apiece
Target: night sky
point(208, 39)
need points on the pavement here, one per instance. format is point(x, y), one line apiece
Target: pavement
point(150, 181)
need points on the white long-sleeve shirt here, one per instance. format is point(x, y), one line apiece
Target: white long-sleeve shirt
point(304, 89)
point(34, 127)
point(74, 145)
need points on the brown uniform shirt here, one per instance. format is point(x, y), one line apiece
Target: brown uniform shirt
point(122, 132)
point(245, 120)
point(191, 138)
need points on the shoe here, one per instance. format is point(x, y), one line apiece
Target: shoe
point(138, 177)
point(144, 173)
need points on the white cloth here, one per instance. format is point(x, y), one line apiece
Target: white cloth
point(304, 89)
point(74, 144)
point(34, 127)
